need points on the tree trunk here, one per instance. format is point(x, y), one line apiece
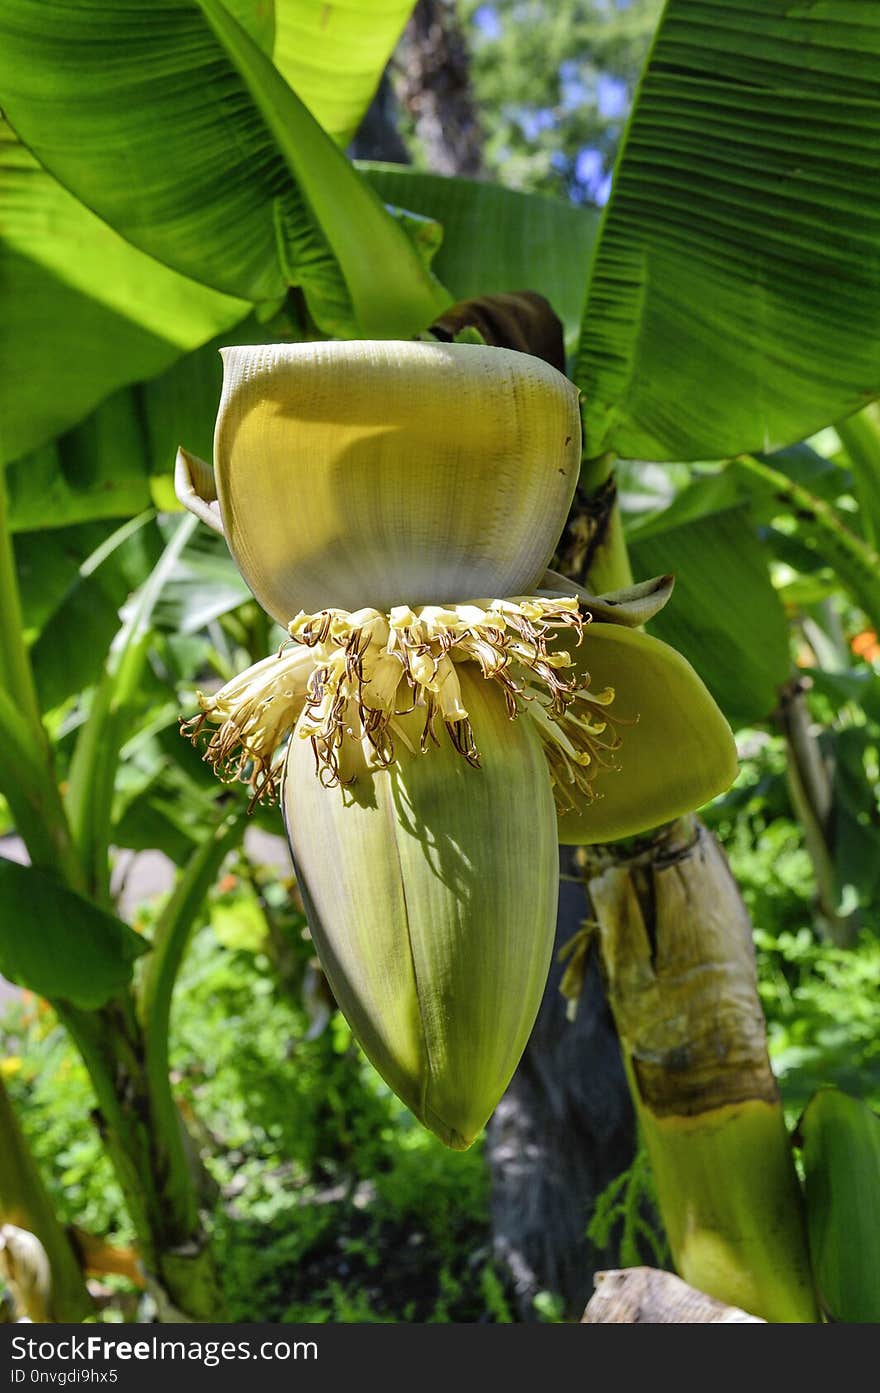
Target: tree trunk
point(432, 81)
point(563, 1131)
point(378, 137)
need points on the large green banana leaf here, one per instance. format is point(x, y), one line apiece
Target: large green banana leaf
point(98, 469)
point(840, 1146)
point(59, 945)
point(333, 55)
point(83, 311)
point(734, 301)
point(726, 617)
point(496, 240)
point(119, 459)
point(168, 120)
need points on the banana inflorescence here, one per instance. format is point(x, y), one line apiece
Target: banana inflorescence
point(430, 748)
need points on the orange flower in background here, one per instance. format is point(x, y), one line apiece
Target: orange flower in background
point(866, 645)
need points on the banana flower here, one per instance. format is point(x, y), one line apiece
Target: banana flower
point(444, 710)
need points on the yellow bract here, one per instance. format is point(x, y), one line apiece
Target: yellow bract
point(354, 474)
point(673, 749)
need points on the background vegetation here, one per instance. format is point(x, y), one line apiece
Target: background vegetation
point(328, 1202)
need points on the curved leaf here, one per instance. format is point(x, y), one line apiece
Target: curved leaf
point(333, 55)
point(727, 618)
point(840, 1138)
point(99, 469)
point(735, 295)
point(168, 120)
point(59, 945)
point(83, 311)
point(497, 240)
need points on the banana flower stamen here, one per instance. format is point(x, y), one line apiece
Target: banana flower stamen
point(254, 713)
point(503, 637)
point(577, 743)
point(351, 677)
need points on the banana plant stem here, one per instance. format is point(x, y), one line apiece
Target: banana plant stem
point(15, 667)
point(61, 1295)
point(171, 936)
point(679, 965)
point(714, 1128)
point(145, 1145)
point(29, 780)
point(593, 549)
point(136, 1114)
point(860, 436)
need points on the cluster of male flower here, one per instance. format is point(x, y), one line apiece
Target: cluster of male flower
point(351, 676)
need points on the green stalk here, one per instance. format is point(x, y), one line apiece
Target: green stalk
point(15, 669)
point(170, 939)
point(860, 437)
point(27, 778)
point(595, 472)
point(136, 1115)
point(857, 562)
point(125, 1048)
point(25, 1202)
point(145, 1146)
point(95, 759)
point(593, 549)
point(810, 789)
point(27, 784)
point(609, 567)
point(732, 1207)
point(679, 964)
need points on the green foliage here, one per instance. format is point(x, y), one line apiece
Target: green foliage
point(736, 203)
point(58, 944)
point(822, 1003)
point(53, 1097)
point(496, 240)
point(333, 57)
point(823, 1010)
point(848, 706)
point(83, 313)
point(763, 842)
point(331, 1202)
point(341, 1207)
point(548, 1307)
point(840, 1146)
point(247, 192)
point(740, 649)
point(622, 1215)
